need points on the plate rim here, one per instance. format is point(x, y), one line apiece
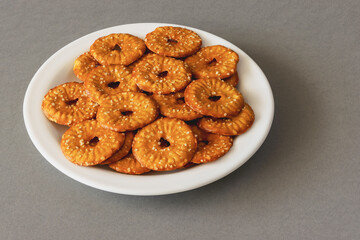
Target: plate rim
point(153, 192)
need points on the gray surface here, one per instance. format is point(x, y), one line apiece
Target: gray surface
point(304, 183)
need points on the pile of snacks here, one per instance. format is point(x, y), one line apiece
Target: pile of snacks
point(160, 104)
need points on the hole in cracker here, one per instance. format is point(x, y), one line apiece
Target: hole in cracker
point(126, 113)
point(116, 48)
point(113, 84)
point(226, 79)
point(148, 93)
point(94, 141)
point(163, 74)
point(180, 100)
point(214, 98)
point(205, 142)
point(72, 102)
point(163, 143)
point(212, 62)
point(202, 144)
point(170, 40)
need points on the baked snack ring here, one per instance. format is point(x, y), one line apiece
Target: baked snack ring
point(165, 144)
point(213, 61)
point(83, 65)
point(173, 105)
point(230, 126)
point(123, 151)
point(117, 48)
point(213, 97)
point(127, 111)
point(210, 146)
point(67, 104)
point(88, 144)
point(109, 80)
point(173, 41)
point(161, 75)
point(129, 165)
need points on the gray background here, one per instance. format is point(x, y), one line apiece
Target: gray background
point(304, 182)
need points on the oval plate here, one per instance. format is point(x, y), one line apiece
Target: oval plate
point(46, 135)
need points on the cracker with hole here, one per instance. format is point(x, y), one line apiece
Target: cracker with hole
point(117, 48)
point(68, 104)
point(213, 61)
point(213, 97)
point(127, 111)
point(109, 80)
point(175, 42)
point(161, 75)
point(88, 144)
point(164, 145)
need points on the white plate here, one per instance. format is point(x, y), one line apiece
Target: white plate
point(46, 135)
